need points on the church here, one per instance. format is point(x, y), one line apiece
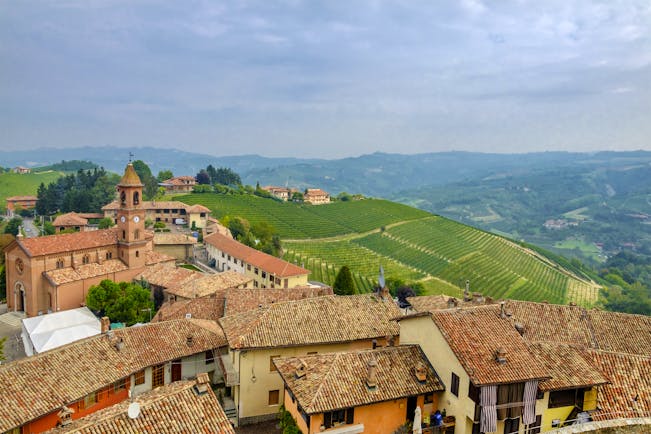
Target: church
point(54, 273)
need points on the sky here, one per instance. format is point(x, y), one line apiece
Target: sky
point(326, 79)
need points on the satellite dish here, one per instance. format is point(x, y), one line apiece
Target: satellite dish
point(134, 410)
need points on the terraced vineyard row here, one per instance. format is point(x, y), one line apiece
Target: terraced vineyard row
point(294, 221)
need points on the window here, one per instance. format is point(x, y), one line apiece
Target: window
point(454, 387)
point(255, 283)
point(123, 198)
point(429, 398)
point(120, 385)
point(136, 198)
point(109, 255)
point(136, 234)
point(137, 254)
point(277, 281)
point(534, 428)
point(89, 400)
point(157, 376)
point(473, 392)
point(274, 396)
point(511, 425)
point(475, 428)
point(139, 377)
point(223, 255)
point(564, 398)
point(60, 263)
point(272, 367)
point(309, 353)
point(286, 282)
point(209, 357)
point(338, 417)
point(255, 271)
point(85, 259)
point(229, 257)
point(248, 267)
point(264, 274)
point(124, 235)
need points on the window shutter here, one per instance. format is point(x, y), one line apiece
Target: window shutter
point(350, 416)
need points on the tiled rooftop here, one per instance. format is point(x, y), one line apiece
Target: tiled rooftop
point(173, 204)
point(430, 303)
point(311, 321)
point(153, 258)
point(65, 243)
point(19, 198)
point(163, 238)
point(209, 308)
point(209, 284)
point(259, 259)
point(338, 380)
point(130, 177)
point(629, 394)
point(621, 332)
point(37, 385)
point(197, 208)
point(475, 334)
point(569, 367)
point(69, 219)
point(173, 409)
point(166, 275)
point(69, 274)
point(243, 300)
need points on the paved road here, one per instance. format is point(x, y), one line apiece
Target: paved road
point(13, 348)
point(30, 229)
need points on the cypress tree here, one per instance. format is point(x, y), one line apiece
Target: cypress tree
point(344, 283)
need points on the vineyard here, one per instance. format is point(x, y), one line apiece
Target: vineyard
point(411, 245)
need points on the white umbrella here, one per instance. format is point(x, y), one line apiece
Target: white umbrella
point(417, 421)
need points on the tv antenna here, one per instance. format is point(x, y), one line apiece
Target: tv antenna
point(130, 156)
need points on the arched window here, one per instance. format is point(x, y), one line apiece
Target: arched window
point(85, 259)
point(136, 234)
point(124, 235)
point(60, 263)
point(136, 198)
point(109, 255)
point(137, 254)
point(123, 198)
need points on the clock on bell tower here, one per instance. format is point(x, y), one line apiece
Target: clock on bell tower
point(131, 219)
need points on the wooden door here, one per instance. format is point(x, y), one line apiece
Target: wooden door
point(176, 370)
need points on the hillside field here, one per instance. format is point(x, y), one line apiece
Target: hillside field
point(410, 244)
point(15, 184)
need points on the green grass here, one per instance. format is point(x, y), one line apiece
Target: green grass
point(15, 184)
point(410, 244)
point(190, 267)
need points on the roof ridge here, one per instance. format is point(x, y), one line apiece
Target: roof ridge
point(325, 377)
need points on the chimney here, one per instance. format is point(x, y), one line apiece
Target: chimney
point(65, 416)
point(503, 309)
point(488, 300)
point(466, 292)
point(384, 293)
point(119, 345)
point(105, 324)
point(573, 304)
point(189, 340)
point(371, 380)
point(477, 298)
point(500, 355)
point(420, 372)
point(203, 383)
point(452, 302)
point(301, 370)
point(391, 341)
point(520, 328)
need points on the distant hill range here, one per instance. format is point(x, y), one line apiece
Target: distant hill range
point(584, 204)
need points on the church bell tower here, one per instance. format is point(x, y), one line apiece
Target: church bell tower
point(131, 219)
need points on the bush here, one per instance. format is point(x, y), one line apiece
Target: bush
point(287, 422)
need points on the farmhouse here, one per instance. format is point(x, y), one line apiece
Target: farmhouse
point(178, 184)
point(75, 221)
point(316, 196)
point(166, 212)
point(282, 193)
point(21, 169)
point(15, 203)
point(53, 273)
point(292, 329)
point(267, 271)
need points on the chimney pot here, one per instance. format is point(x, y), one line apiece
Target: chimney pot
point(421, 372)
point(500, 355)
point(301, 370)
point(477, 297)
point(105, 324)
point(503, 309)
point(371, 380)
point(119, 345)
point(65, 415)
point(452, 302)
point(520, 328)
point(189, 341)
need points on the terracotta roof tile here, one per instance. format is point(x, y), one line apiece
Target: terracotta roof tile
point(629, 394)
point(338, 380)
point(70, 219)
point(339, 319)
point(430, 303)
point(86, 271)
point(569, 367)
point(259, 259)
point(210, 308)
point(209, 284)
point(621, 332)
point(180, 181)
point(474, 335)
point(197, 208)
point(153, 258)
point(166, 275)
point(64, 243)
point(243, 300)
point(18, 198)
point(175, 204)
point(163, 238)
point(96, 363)
point(173, 409)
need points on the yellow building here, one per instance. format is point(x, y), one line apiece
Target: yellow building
point(265, 270)
point(296, 328)
point(170, 212)
point(370, 391)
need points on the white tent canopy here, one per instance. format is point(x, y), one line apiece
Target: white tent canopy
point(44, 332)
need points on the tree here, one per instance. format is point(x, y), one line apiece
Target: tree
point(13, 226)
point(239, 227)
point(226, 176)
point(48, 228)
point(344, 283)
point(106, 223)
point(203, 178)
point(2, 348)
point(150, 182)
point(212, 173)
point(121, 302)
point(164, 175)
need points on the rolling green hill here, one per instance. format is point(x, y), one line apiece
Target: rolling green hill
point(15, 184)
point(410, 244)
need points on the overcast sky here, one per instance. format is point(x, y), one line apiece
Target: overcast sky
point(326, 79)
